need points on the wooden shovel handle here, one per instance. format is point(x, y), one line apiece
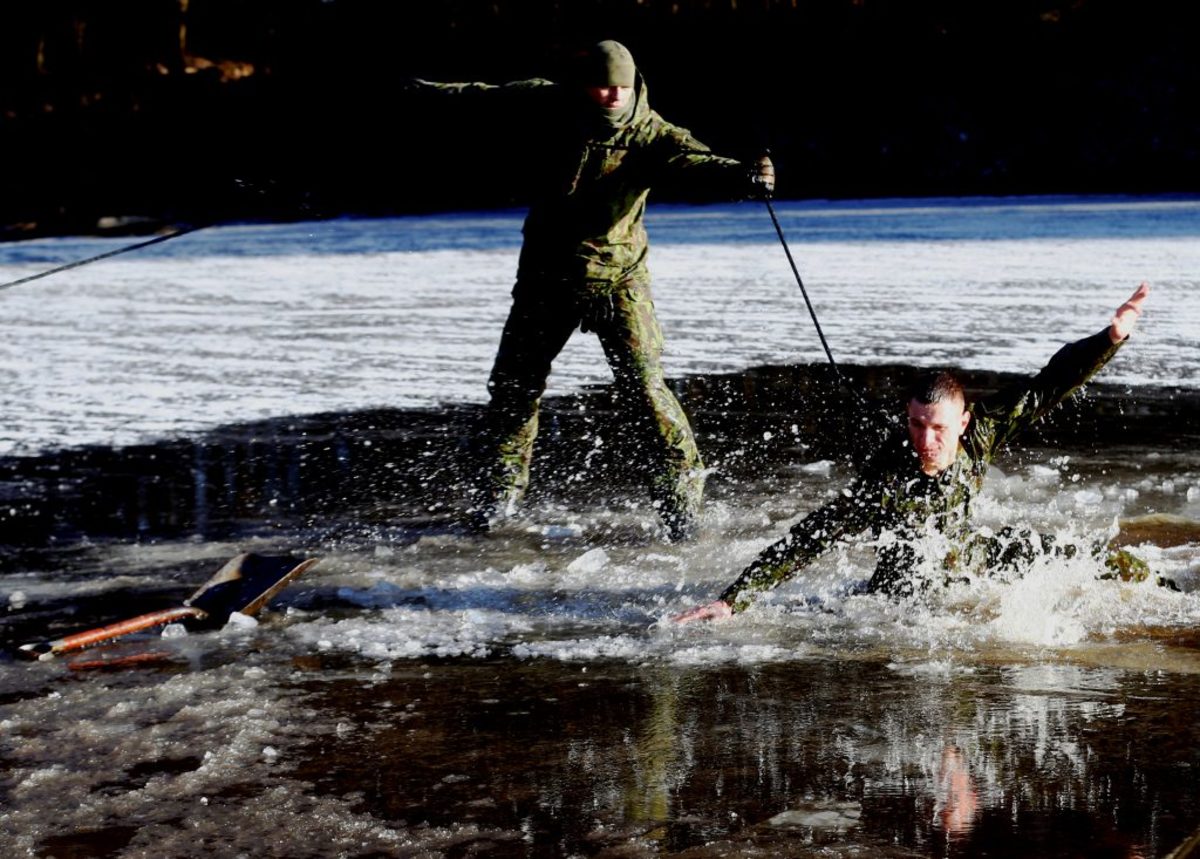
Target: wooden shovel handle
point(80, 640)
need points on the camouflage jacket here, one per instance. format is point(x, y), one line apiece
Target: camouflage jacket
point(893, 496)
point(585, 221)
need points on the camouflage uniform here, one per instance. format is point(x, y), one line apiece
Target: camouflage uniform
point(893, 495)
point(583, 263)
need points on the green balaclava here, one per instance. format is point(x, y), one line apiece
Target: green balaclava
point(606, 64)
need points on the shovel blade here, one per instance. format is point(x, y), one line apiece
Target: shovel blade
point(245, 584)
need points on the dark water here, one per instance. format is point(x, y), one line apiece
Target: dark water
point(816, 758)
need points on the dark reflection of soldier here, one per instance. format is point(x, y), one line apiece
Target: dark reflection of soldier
point(583, 264)
point(924, 479)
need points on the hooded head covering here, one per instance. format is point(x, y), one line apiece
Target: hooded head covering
point(606, 63)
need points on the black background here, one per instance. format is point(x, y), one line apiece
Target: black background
point(247, 109)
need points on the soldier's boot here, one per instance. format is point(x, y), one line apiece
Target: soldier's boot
point(490, 505)
point(677, 482)
point(502, 485)
point(679, 498)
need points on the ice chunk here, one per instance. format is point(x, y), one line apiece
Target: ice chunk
point(591, 561)
point(820, 814)
point(560, 532)
point(237, 620)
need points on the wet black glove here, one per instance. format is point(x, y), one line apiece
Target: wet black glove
point(596, 310)
point(762, 178)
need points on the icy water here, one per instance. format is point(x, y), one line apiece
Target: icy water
point(312, 389)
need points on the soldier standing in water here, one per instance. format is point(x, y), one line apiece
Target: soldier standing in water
point(583, 265)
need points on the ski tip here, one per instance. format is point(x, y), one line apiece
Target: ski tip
point(36, 651)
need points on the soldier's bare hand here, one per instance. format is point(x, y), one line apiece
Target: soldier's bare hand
point(715, 610)
point(1127, 314)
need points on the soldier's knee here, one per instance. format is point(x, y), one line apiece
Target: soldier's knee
point(515, 390)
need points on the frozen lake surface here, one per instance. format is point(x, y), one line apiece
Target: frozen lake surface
point(304, 389)
point(238, 323)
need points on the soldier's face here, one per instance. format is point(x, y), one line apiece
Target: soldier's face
point(610, 97)
point(935, 429)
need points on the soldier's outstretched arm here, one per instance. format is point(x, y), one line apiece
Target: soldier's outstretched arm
point(815, 534)
point(707, 174)
point(998, 419)
point(421, 87)
point(1127, 314)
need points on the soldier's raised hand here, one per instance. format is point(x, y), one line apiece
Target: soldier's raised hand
point(1127, 314)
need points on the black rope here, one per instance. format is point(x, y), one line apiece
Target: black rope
point(174, 234)
point(872, 408)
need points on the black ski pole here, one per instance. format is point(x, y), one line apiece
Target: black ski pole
point(874, 410)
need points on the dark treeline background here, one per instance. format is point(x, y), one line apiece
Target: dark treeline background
point(196, 109)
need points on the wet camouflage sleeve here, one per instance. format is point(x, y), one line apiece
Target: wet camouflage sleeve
point(694, 162)
point(845, 516)
point(418, 86)
point(998, 419)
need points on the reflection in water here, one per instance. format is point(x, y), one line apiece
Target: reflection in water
point(787, 759)
point(649, 790)
point(956, 796)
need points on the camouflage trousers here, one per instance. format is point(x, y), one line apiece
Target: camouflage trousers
point(542, 319)
point(1008, 552)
